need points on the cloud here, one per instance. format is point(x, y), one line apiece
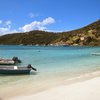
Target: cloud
point(48, 20)
point(0, 21)
point(32, 15)
point(8, 22)
point(6, 27)
point(6, 30)
point(38, 25)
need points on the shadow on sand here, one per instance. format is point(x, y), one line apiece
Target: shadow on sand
point(1, 98)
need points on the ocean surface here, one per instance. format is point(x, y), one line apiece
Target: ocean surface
point(55, 64)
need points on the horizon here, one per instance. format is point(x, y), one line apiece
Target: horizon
point(64, 15)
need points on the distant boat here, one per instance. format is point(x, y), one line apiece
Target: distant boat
point(10, 70)
point(7, 61)
point(96, 54)
point(65, 45)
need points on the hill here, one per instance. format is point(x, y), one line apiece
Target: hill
point(88, 35)
point(29, 38)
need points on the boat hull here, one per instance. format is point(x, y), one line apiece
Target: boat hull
point(10, 72)
point(7, 63)
point(16, 70)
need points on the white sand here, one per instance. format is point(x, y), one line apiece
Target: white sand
point(85, 90)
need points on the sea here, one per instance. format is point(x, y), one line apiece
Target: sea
point(54, 64)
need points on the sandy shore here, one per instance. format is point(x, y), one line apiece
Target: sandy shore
point(83, 90)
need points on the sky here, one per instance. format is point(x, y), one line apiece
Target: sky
point(47, 15)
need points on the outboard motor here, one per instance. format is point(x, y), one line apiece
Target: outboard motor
point(29, 66)
point(16, 59)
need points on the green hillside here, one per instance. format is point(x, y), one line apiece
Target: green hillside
point(88, 35)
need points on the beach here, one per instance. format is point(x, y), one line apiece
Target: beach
point(63, 73)
point(49, 50)
point(83, 90)
point(83, 87)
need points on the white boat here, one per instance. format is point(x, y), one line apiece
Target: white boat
point(7, 61)
point(96, 54)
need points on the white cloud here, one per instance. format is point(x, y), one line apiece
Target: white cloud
point(6, 30)
point(0, 21)
point(32, 15)
point(6, 27)
point(48, 20)
point(38, 25)
point(8, 22)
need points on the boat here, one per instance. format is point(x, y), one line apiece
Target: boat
point(65, 45)
point(96, 54)
point(10, 70)
point(6, 61)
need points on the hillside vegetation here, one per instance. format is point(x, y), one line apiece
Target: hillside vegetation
point(88, 35)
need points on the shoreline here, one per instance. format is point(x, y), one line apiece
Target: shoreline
point(83, 90)
point(18, 93)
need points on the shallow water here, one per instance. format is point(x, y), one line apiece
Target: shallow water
point(54, 64)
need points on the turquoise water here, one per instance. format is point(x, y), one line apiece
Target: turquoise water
point(54, 64)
